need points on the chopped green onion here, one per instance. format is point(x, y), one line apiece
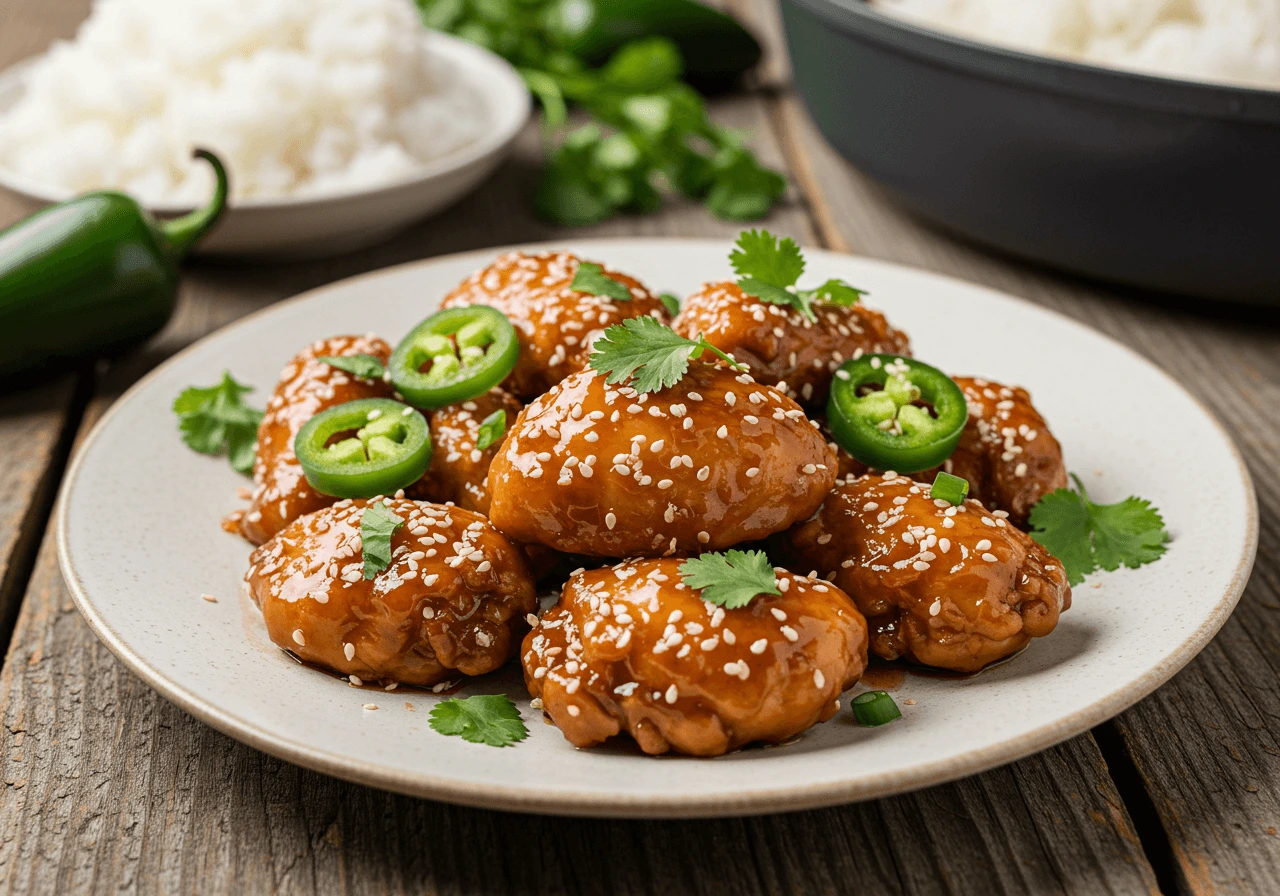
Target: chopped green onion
point(873, 708)
point(951, 489)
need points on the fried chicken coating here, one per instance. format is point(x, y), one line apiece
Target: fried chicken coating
point(555, 322)
point(307, 386)
point(1007, 453)
point(779, 345)
point(632, 648)
point(717, 459)
point(459, 470)
point(952, 587)
point(454, 599)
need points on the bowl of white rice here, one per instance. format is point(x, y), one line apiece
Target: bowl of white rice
point(341, 122)
point(1134, 141)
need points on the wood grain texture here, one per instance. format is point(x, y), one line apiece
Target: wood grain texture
point(108, 787)
point(1207, 743)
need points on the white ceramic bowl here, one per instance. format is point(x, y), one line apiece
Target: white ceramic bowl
point(350, 219)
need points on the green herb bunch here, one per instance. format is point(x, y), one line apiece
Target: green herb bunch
point(648, 135)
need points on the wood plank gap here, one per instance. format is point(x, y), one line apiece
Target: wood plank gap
point(1152, 836)
point(31, 529)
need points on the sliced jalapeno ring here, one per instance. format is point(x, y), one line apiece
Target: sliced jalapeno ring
point(894, 413)
point(454, 355)
point(364, 448)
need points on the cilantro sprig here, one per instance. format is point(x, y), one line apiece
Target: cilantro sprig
point(648, 133)
point(591, 279)
point(1086, 536)
point(215, 419)
point(366, 367)
point(484, 719)
point(491, 429)
point(652, 355)
point(730, 579)
point(769, 268)
point(377, 525)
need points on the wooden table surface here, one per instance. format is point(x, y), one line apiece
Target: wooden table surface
point(107, 787)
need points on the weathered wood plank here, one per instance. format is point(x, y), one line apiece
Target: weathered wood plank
point(1205, 744)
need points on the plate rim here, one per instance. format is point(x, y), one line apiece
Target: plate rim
point(535, 800)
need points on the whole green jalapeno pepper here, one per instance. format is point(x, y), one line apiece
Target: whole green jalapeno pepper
point(92, 276)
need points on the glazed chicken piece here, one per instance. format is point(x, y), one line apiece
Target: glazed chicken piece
point(453, 600)
point(1007, 452)
point(779, 345)
point(555, 322)
point(459, 471)
point(632, 648)
point(307, 386)
point(715, 460)
point(952, 587)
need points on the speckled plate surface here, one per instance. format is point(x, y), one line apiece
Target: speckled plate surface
point(138, 559)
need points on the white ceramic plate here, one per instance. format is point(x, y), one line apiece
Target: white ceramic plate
point(139, 542)
point(342, 221)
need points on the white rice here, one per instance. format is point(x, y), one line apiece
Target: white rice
point(299, 97)
point(1229, 41)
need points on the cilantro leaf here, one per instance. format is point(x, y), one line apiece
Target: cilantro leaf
point(834, 292)
point(652, 354)
point(671, 303)
point(730, 579)
point(768, 270)
point(761, 256)
point(367, 367)
point(491, 429)
point(486, 719)
point(1086, 536)
point(592, 279)
point(214, 419)
point(377, 525)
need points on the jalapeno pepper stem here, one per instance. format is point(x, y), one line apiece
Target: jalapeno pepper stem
point(181, 234)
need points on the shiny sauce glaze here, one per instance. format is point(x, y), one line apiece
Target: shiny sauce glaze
point(716, 460)
point(952, 587)
point(455, 598)
point(459, 470)
point(631, 648)
point(556, 323)
point(781, 346)
point(307, 386)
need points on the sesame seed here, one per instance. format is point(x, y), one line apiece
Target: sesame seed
point(723, 432)
point(789, 633)
point(759, 647)
point(809, 468)
point(665, 483)
point(371, 706)
point(753, 472)
point(778, 614)
point(990, 558)
point(349, 651)
point(984, 545)
point(610, 520)
point(573, 710)
point(298, 638)
point(209, 597)
point(818, 678)
point(673, 694)
point(355, 681)
point(936, 607)
point(658, 446)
